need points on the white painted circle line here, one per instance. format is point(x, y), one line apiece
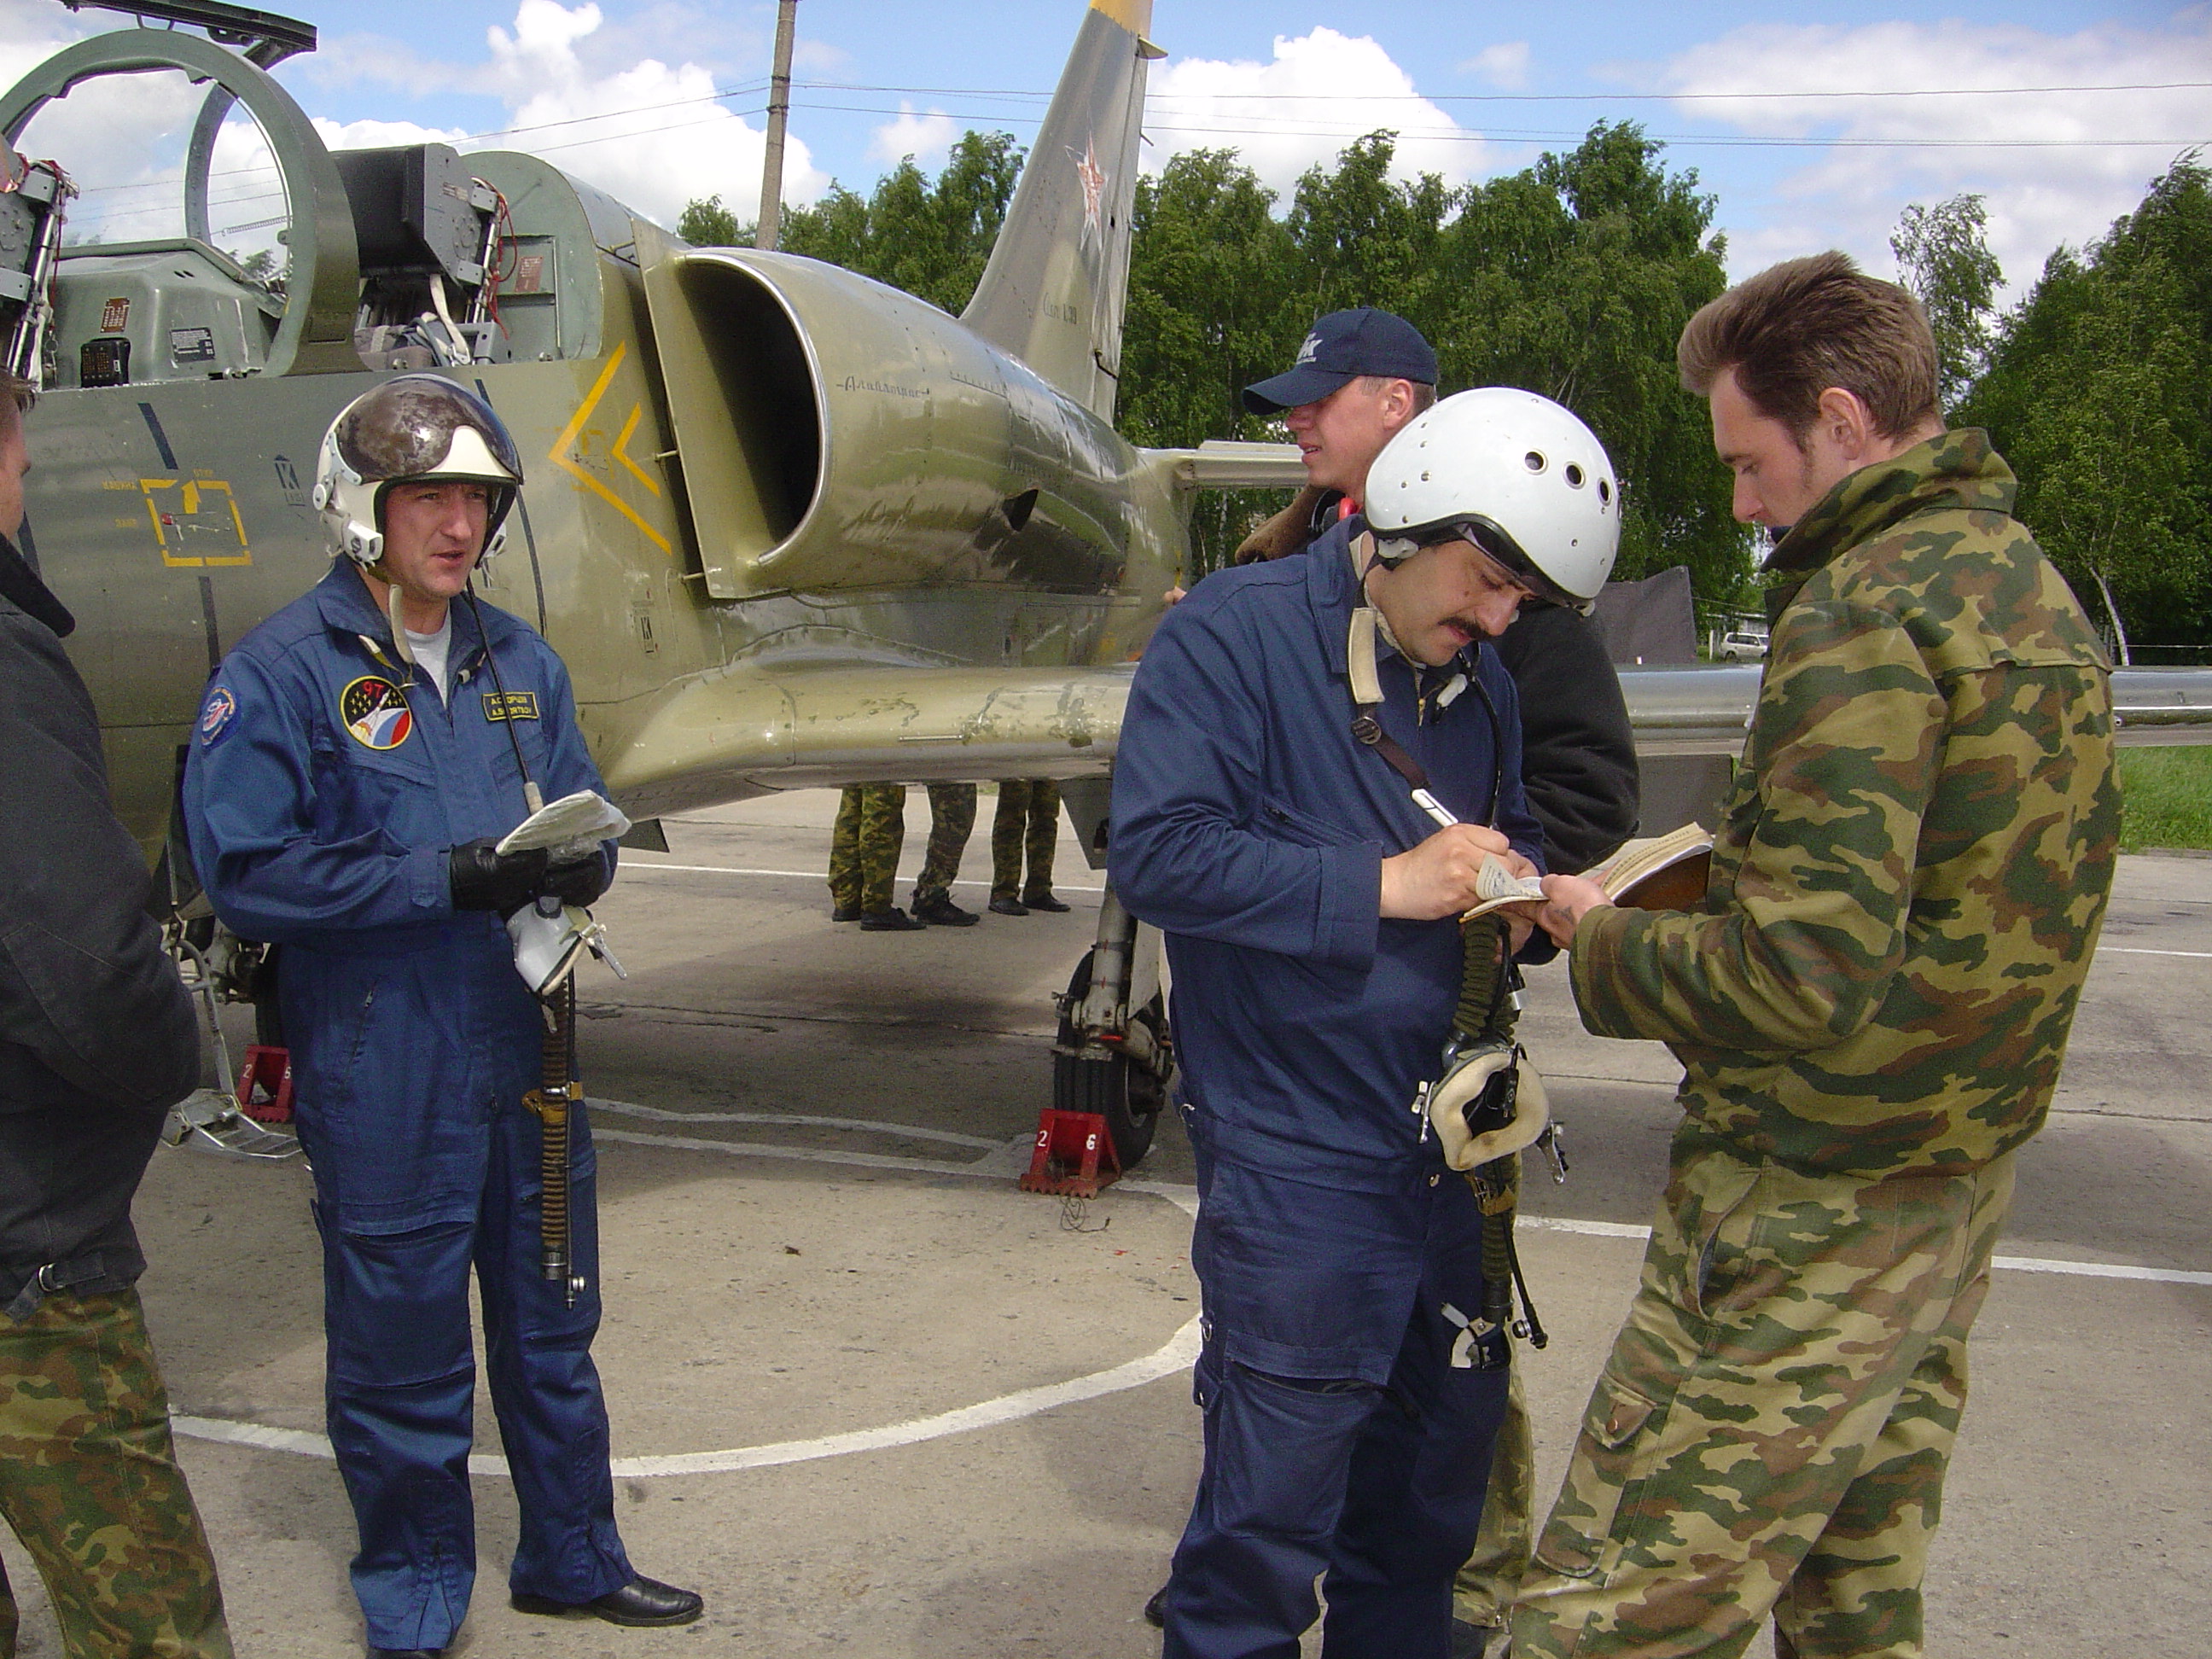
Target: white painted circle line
point(1175, 1354)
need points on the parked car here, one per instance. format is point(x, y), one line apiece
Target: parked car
point(1743, 648)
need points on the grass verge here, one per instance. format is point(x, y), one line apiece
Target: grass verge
point(2169, 798)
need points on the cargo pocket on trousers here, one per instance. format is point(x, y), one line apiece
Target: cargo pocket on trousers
point(1599, 1475)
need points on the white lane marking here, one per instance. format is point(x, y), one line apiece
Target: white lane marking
point(662, 1114)
point(1011, 1159)
point(2145, 951)
point(2020, 1264)
point(631, 864)
point(1175, 1354)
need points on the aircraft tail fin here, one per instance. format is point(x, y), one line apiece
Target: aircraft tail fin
point(1058, 278)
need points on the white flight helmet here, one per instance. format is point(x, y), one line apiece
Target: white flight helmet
point(411, 428)
point(1514, 473)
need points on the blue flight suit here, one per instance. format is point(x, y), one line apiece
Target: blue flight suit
point(1349, 1406)
point(324, 783)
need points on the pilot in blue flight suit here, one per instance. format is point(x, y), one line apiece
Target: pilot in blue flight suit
point(356, 759)
point(1311, 904)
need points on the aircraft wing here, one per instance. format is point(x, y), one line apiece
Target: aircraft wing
point(727, 736)
point(1221, 464)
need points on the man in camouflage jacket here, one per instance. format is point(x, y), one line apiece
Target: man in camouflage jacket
point(1871, 1007)
point(97, 1040)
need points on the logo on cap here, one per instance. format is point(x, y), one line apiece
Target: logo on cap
point(1308, 351)
point(375, 712)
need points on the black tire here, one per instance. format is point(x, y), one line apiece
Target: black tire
point(1128, 1096)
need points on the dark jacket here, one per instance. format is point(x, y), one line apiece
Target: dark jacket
point(97, 1034)
point(1577, 749)
point(1251, 826)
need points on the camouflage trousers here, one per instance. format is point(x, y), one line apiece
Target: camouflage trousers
point(1027, 821)
point(951, 819)
point(1483, 1589)
point(1771, 1431)
point(88, 1479)
point(865, 843)
point(870, 833)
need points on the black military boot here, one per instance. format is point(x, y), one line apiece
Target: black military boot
point(893, 921)
point(1008, 907)
point(1041, 899)
point(940, 911)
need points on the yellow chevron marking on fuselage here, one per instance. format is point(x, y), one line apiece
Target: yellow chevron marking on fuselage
point(569, 444)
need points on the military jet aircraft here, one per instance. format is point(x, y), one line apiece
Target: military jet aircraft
point(788, 527)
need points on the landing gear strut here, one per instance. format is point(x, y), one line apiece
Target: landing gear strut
point(1114, 1055)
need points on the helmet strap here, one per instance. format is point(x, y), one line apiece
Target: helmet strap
point(392, 600)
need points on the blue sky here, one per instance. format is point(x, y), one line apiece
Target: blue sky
point(1813, 126)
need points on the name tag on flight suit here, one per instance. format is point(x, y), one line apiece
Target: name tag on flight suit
point(510, 706)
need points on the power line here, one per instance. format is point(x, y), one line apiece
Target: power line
point(1549, 97)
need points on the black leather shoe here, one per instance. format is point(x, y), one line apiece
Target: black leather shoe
point(1156, 1610)
point(844, 913)
point(407, 1653)
point(1006, 907)
point(642, 1601)
point(893, 921)
point(1044, 902)
point(942, 912)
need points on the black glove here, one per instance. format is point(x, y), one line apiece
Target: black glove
point(577, 881)
point(485, 878)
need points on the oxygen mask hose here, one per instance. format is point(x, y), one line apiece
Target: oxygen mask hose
point(553, 1102)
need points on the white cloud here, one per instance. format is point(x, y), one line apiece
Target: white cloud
point(1504, 65)
point(2060, 187)
point(648, 129)
point(1320, 93)
point(927, 137)
point(653, 136)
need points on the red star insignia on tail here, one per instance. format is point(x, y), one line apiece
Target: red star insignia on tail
point(1093, 179)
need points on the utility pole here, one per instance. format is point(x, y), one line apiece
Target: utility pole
point(779, 113)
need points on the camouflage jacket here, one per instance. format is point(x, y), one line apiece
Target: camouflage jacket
point(1912, 865)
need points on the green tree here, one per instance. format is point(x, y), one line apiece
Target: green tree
point(930, 237)
point(1574, 278)
point(1207, 315)
point(2100, 393)
point(1943, 253)
point(707, 223)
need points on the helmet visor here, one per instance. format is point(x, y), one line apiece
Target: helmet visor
point(405, 428)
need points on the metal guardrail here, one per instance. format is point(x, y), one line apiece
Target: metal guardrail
point(1702, 710)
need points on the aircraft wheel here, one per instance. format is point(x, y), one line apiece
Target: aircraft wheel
point(1126, 1095)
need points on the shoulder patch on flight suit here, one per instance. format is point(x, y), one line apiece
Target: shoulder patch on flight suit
point(375, 711)
point(510, 706)
point(216, 714)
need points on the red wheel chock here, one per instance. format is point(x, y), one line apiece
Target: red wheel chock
point(265, 1086)
point(1071, 1148)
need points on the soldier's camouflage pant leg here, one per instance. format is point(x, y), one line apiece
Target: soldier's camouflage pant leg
point(844, 850)
point(865, 843)
point(1773, 1429)
point(1027, 823)
point(1483, 1589)
point(951, 819)
point(89, 1482)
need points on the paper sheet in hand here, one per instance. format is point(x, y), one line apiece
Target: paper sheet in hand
point(579, 821)
point(1497, 886)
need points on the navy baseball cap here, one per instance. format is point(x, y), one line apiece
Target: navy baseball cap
point(1340, 348)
